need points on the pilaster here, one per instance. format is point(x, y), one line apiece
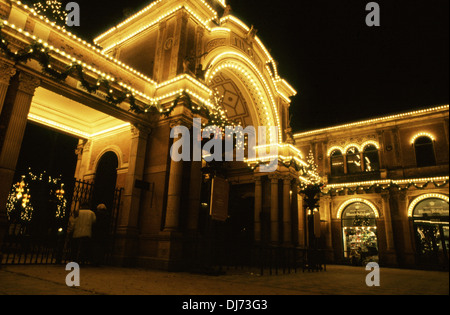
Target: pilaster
point(287, 217)
point(258, 208)
point(127, 230)
point(274, 222)
point(7, 71)
point(13, 121)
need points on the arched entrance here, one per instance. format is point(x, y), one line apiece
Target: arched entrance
point(429, 214)
point(359, 232)
point(105, 180)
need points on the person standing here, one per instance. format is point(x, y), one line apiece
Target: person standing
point(100, 234)
point(82, 234)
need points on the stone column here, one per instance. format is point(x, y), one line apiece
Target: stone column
point(326, 200)
point(408, 234)
point(287, 224)
point(127, 230)
point(301, 221)
point(6, 72)
point(274, 229)
point(13, 121)
point(258, 208)
point(388, 222)
point(174, 191)
point(195, 189)
point(132, 194)
point(390, 246)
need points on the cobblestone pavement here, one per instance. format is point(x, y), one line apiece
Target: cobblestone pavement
point(337, 280)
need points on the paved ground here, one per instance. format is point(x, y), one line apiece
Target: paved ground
point(337, 280)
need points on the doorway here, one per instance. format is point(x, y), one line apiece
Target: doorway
point(359, 234)
point(105, 180)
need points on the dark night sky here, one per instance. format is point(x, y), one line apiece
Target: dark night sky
point(343, 70)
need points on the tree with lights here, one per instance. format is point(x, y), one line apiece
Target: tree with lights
point(52, 9)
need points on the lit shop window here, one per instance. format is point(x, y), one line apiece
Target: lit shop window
point(371, 159)
point(431, 225)
point(424, 149)
point(359, 232)
point(353, 161)
point(337, 163)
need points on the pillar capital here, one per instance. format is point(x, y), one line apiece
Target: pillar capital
point(274, 177)
point(28, 83)
point(139, 130)
point(6, 72)
point(181, 121)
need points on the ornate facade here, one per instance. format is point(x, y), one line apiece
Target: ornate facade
point(393, 173)
point(176, 60)
point(158, 69)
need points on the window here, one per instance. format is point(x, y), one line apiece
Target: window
point(371, 158)
point(337, 163)
point(359, 231)
point(353, 161)
point(424, 148)
point(431, 226)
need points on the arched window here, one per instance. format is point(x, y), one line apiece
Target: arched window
point(337, 163)
point(430, 217)
point(424, 149)
point(353, 161)
point(359, 231)
point(371, 158)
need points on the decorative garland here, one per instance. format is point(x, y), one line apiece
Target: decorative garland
point(383, 188)
point(40, 53)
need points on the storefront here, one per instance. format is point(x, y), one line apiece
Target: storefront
point(359, 232)
point(429, 215)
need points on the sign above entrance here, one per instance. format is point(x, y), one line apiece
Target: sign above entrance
point(432, 207)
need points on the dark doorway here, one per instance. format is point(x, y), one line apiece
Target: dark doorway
point(47, 150)
point(105, 180)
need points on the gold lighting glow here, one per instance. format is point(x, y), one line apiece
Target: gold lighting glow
point(423, 197)
point(353, 200)
point(422, 134)
point(375, 120)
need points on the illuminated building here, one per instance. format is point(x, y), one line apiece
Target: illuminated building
point(386, 182)
point(162, 67)
point(122, 95)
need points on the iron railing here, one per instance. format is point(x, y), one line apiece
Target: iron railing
point(52, 244)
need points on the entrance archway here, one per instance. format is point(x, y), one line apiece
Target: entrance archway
point(105, 180)
point(359, 232)
point(430, 218)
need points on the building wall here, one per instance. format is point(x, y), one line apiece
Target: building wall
point(396, 239)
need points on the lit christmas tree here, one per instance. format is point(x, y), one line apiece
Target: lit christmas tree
point(311, 172)
point(52, 9)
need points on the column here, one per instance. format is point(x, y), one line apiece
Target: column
point(13, 121)
point(132, 195)
point(174, 191)
point(274, 230)
point(258, 208)
point(301, 221)
point(287, 225)
point(388, 222)
point(6, 72)
point(326, 202)
point(195, 189)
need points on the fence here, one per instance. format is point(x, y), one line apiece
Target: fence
point(50, 242)
point(206, 256)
